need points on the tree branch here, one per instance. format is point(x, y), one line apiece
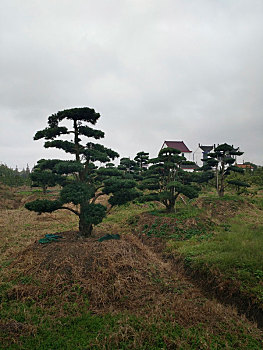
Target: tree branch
point(72, 210)
point(96, 196)
point(109, 209)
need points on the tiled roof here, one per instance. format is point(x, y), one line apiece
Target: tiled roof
point(180, 145)
point(245, 166)
point(206, 148)
point(189, 166)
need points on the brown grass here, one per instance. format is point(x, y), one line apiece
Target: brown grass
point(114, 276)
point(19, 228)
point(9, 199)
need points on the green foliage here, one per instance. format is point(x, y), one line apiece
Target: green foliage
point(43, 206)
point(123, 196)
point(11, 177)
point(95, 152)
point(128, 165)
point(166, 180)
point(222, 160)
point(92, 214)
point(43, 178)
point(89, 132)
point(43, 174)
point(50, 133)
point(239, 185)
point(81, 180)
point(66, 146)
point(77, 193)
point(68, 167)
point(114, 184)
point(141, 159)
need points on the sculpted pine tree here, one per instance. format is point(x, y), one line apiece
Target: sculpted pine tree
point(82, 183)
point(222, 159)
point(127, 165)
point(43, 174)
point(165, 180)
point(142, 159)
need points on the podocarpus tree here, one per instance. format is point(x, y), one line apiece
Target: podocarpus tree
point(82, 183)
point(165, 180)
point(222, 159)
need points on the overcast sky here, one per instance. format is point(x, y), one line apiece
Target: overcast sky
point(155, 70)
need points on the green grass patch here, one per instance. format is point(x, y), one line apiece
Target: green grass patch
point(120, 331)
point(236, 252)
point(29, 192)
point(126, 212)
point(178, 228)
point(182, 212)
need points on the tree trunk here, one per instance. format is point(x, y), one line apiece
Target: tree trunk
point(85, 229)
point(44, 188)
point(221, 189)
point(221, 192)
point(170, 207)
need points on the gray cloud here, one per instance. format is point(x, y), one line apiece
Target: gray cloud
point(182, 70)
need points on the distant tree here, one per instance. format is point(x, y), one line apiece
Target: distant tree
point(222, 159)
point(127, 165)
point(239, 185)
point(82, 182)
point(43, 174)
point(142, 159)
point(11, 177)
point(165, 180)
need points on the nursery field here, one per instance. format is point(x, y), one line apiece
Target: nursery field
point(192, 279)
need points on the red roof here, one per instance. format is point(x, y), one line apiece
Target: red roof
point(189, 166)
point(180, 145)
point(245, 166)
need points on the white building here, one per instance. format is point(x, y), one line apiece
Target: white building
point(185, 151)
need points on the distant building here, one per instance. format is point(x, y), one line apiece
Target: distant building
point(245, 166)
point(181, 146)
point(201, 153)
point(185, 151)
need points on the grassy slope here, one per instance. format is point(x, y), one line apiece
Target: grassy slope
point(41, 328)
point(233, 252)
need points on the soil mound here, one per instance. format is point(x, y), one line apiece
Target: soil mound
point(218, 209)
point(111, 276)
point(113, 273)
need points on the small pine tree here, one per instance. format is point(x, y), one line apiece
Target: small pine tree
point(127, 165)
point(165, 180)
point(222, 159)
point(43, 174)
point(142, 159)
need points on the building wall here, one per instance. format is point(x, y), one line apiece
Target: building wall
point(197, 156)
